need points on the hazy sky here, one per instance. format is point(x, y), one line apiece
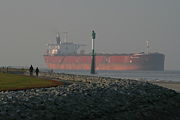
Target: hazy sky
point(122, 26)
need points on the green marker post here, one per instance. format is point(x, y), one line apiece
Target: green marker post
point(93, 53)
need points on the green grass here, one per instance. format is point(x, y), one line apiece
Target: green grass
point(17, 82)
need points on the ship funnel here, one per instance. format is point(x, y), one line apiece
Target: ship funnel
point(58, 40)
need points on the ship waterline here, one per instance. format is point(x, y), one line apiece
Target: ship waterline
point(98, 67)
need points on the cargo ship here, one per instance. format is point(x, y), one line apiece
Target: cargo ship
point(65, 56)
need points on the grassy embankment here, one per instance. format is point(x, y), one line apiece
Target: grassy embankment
point(18, 82)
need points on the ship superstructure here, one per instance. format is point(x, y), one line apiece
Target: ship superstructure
point(62, 48)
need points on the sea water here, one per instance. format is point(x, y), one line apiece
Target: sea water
point(167, 75)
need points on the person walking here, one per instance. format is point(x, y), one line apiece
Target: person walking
point(37, 71)
point(31, 70)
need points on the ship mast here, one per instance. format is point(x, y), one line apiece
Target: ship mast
point(65, 36)
point(148, 46)
point(58, 40)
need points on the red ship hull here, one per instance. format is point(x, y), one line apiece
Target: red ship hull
point(118, 62)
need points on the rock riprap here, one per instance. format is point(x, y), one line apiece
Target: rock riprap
point(92, 98)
